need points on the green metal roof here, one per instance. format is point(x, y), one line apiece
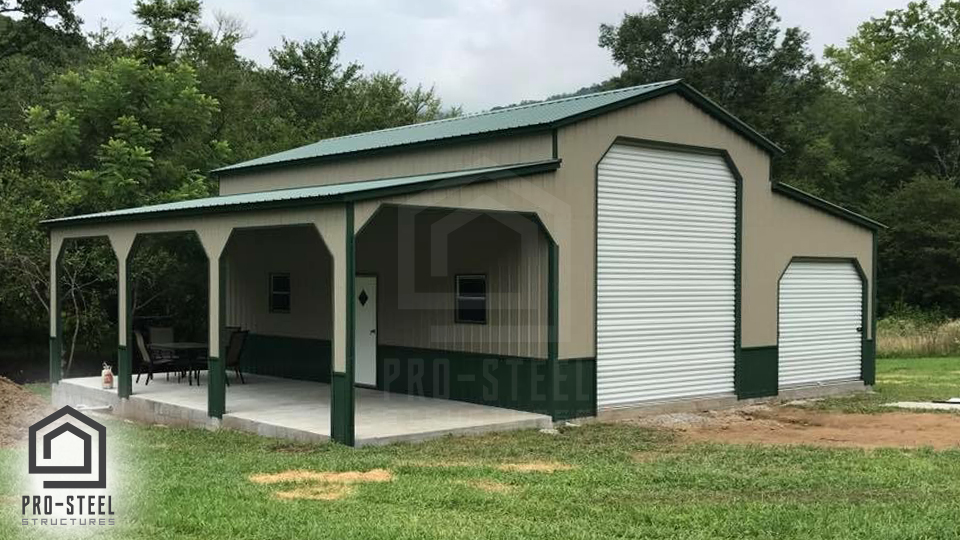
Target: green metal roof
point(535, 116)
point(352, 191)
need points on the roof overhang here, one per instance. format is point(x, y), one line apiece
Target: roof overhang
point(826, 206)
point(309, 196)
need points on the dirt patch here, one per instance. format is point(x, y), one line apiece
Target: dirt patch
point(348, 477)
point(489, 486)
point(535, 466)
point(327, 492)
point(19, 409)
point(792, 426)
point(323, 486)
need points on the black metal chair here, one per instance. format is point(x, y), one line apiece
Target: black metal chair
point(234, 350)
point(152, 361)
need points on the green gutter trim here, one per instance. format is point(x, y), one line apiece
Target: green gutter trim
point(827, 206)
point(521, 170)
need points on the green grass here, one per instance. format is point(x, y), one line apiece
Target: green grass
point(898, 379)
point(627, 482)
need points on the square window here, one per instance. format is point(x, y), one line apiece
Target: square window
point(471, 299)
point(279, 293)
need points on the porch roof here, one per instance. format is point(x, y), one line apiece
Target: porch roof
point(333, 193)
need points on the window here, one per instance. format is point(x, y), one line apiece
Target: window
point(471, 299)
point(280, 293)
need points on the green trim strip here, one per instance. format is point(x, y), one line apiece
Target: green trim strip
point(757, 372)
point(217, 373)
point(342, 401)
point(124, 372)
point(498, 381)
point(216, 388)
point(331, 194)
point(835, 210)
point(55, 353)
point(553, 319)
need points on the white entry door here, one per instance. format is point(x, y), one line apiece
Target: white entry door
point(365, 313)
point(821, 323)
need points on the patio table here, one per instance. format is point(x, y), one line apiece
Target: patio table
point(189, 351)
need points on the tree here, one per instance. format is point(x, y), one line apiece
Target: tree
point(899, 74)
point(920, 254)
point(733, 51)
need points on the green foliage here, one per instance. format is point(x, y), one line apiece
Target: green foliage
point(735, 52)
point(106, 121)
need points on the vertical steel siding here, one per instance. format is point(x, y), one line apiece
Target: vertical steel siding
point(666, 268)
point(821, 309)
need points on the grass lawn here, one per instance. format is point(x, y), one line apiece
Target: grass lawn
point(619, 481)
point(911, 379)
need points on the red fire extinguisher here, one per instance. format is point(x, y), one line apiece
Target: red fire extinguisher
point(107, 375)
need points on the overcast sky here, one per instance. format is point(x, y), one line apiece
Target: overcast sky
point(477, 53)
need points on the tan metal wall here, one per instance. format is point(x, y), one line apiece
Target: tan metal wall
point(441, 158)
point(775, 228)
point(252, 255)
point(416, 254)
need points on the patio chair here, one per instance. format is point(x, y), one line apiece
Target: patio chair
point(234, 350)
point(151, 360)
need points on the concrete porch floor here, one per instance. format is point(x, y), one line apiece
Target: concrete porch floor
point(298, 410)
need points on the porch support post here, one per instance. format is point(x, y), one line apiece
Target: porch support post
point(213, 243)
point(342, 395)
point(56, 316)
point(553, 328)
point(123, 249)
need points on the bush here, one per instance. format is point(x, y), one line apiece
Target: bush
point(909, 333)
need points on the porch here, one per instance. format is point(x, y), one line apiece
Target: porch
point(298, 410)
point(347, 293)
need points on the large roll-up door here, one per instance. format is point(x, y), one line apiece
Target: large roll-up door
point(666, 261)
point(820, 323)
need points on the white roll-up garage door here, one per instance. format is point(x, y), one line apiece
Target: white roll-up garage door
point(666, 255)
point(820, 323)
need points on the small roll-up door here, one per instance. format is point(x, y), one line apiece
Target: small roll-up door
point(820, 323)
point(666, 263)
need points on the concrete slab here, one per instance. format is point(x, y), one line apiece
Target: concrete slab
point(925, 406)
point(298, 410)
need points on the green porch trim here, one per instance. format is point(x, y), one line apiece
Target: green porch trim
point(499, 381)
point(216, 388)
point(125, 356)
point(217, 384)
point(868, 362)
point(553, 328)
point(341, 401)
point(124, 372)
point(757, 372)
point(306, 359)
point(56, 370)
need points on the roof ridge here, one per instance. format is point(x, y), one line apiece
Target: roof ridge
point(502, 110)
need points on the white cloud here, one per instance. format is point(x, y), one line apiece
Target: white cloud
point(479, 53)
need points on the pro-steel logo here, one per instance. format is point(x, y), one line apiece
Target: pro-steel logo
point(57, 463)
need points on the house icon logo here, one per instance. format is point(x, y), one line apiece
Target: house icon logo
point(74, 423)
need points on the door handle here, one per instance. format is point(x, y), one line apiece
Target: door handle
point(374, 331)
point(860, 329)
